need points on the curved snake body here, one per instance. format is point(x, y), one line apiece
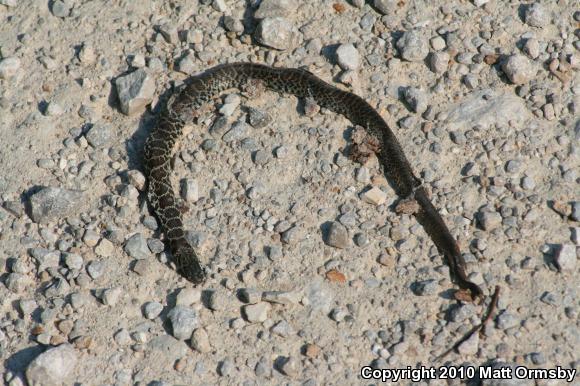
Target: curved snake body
point(183, 106)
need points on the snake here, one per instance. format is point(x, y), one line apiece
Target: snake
point(184, 104)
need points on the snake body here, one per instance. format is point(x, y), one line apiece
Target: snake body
point(199, 90)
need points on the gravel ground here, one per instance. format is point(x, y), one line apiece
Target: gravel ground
point(312, 274)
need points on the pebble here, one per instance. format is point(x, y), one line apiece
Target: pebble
point(536, 15)
point(53, 366)
point(99, 135)
point(507, 320)
point(575, 237)
point(470, 346)
point(104, 248)
point(258, 118)
point(489, 220)
point(200, 340)
point(337, 236)
point(283, 329)
point(237, 132)
point(9, 67)
point(276, 32)
point(169, 32)
point(151, 310)
point(518, 69)
point(291, 367)
point(190, 190)
point(281, 297)
point(95, 269)
point(219, 5)
point(73, 261)
point(45, 258)
point(187, 64)
point(220, 300)
point(257, 313)
point(91, 238)
point(136, 247)
point(183, 321)
point(60, 8)
point(416, 98)
point(426, 287)
point(532, 48)
point(188, 296)
point(374, 196)
point(51, 203)
point(137, 179)
point(135, 91)
point(111, 296)
point(225, 367)
point(413, 45)
point(347, 57)
point(274, 8)
point(439, 61)
point(566, 257)
point(438, 43)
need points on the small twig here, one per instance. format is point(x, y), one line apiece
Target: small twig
point(490, 312)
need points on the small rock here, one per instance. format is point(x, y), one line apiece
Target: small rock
point(258, 118)
point(281, 297)
point(169, 32)
point(416, 99)
point(277, 33)
point(237, 132)
point(536, 15)
point(95, 269)
point(45, 258)
point(506, 321)
point(9, 67)
point(60, 8)
point(52, 367)
point(274, 8)
point(374, 196)
point(137, 179)
point(111, 296)
point(426, 287)
point(470, 346)
point(52, 203)
point(219, 300)
point(188, 296)
point(385, 6)
point(337, 236)
point(565, 257)
point(200, 340)
point(518, 69)
point(135, 91)
point(489, 220)
point(219, 5)
point(532, 48)
point(17, 282)
point(190, 189)
point(187, 63)
point(151, 310)
point(257, 313)
point(99, 135)
point(438, 62)
point(438, 43)
point(73, 261)
point(104, 248)
point(183, 321)
point(136, 247)
point(291, 367)
point(347, 57)
point(283, 329)
point(413, 45)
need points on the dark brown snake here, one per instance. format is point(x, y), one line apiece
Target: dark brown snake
point(182, 107)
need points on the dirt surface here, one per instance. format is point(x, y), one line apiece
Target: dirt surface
point(311, 276)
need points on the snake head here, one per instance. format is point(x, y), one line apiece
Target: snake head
point(188, 264)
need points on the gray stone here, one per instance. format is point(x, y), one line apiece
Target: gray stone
point(52, 367)
point(219, 300)
point(111, 296)
point(187, 64)
point(489, 220)
point(575, 211)
point(233, 25)
point(73, 261)
point(275, 8)
point(291, 367)
point(136, 247)
point(17, 282)
point(135, 91)
point(470, 346)
point(565, 257)
point(96, 268)
point(188, 296)
point(151, 310)
point(166, 346)
point(337, 236)
point(385, 6)
point(416, 98)
point(347, 57)
point(250, 295)
point(190, 189)
point(281, 297)
point(99, 135)
point(52, 203)
point(486, 108)
point(9, 67)
point(60, 8)
point(518, 69)
point(183, 321)
point(532, 48)
point(413, 45)
point(169, 32)
point(45, 258)
point(536, 15)
point(277, 33)
point(439, 61)
point(237, 132)
point(257, 313)
point(507, 320)
point(283, 329)
point(292, 235)
point(426, 287)
point(225, 367)
point(258, 118)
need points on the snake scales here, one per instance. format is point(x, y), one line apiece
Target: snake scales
point(183, 106)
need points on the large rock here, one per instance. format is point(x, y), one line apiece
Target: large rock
point(414, 45)
point(52, 203)
point(135, 91)
point(486, 108)
point(275, 8)
point(52, 367)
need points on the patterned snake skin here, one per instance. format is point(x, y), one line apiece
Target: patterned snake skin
point(183, 107)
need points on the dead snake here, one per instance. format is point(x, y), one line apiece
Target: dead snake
point(183, 106)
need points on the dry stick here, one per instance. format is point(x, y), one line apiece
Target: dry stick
point(490, 311)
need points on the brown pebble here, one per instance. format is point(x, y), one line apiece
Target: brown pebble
point(335, 276)
point(311, 350)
